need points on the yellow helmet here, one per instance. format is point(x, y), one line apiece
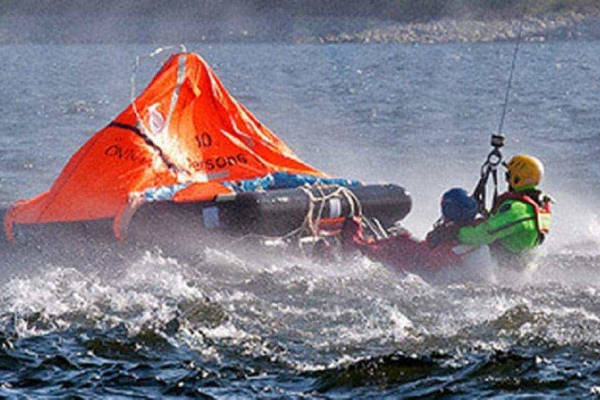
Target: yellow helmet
point(524, 171)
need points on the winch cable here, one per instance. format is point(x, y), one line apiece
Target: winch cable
point(494, 158)
point(510, 78)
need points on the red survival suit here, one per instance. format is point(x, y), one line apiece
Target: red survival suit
point(405, 252)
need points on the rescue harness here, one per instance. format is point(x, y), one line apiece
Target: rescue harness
point(489, 167)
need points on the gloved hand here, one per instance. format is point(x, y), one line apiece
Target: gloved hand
point(442, 234)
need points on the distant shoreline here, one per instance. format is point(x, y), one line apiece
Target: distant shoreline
point(544, 28)
point(278, 27)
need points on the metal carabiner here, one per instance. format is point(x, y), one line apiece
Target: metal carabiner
point(494, 158)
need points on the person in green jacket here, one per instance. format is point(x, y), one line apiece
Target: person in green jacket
point(520, 218)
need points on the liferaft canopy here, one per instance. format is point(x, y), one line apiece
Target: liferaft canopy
point(184, 133)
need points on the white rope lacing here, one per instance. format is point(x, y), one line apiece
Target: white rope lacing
point(311, 222)
point(314, 214)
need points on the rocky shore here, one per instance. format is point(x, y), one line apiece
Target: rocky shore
point(284, 26)
point(447, 30)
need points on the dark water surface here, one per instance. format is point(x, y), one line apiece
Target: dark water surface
point(255, 324)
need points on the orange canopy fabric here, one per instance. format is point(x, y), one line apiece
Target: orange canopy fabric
point(185, 128)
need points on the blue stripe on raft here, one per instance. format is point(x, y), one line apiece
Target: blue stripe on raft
point(283, 180)
point(163, 193)
point(277, 180)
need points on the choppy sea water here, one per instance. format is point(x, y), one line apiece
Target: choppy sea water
point(253, 324)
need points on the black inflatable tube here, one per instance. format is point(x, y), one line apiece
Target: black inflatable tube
point(271, 213)
point(278, 212)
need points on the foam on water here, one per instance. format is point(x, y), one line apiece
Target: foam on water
point(303, 315)
point(346, 304)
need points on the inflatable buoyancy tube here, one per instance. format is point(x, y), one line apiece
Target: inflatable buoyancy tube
point(278, 212)
point(271, 213)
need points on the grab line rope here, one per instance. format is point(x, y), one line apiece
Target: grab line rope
point(311, 222)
